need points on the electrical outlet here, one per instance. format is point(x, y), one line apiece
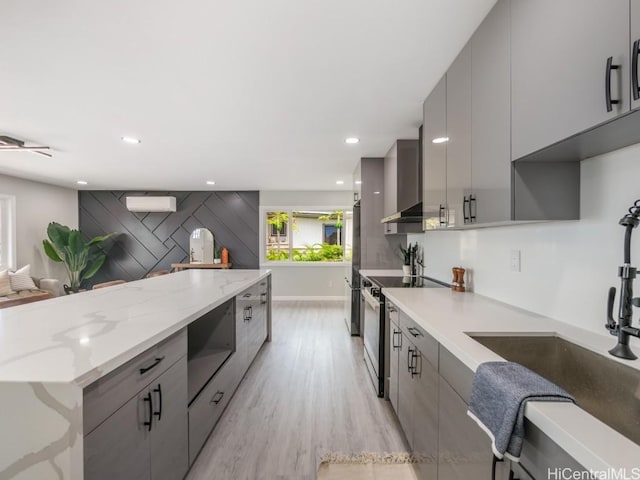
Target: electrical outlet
point(515, 260)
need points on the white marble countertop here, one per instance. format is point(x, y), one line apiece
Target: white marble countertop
point(79, 338)
point(449, 316)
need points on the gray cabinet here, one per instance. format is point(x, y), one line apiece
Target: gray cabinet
point(119, 447)
point(491, 117)
point(425, 417)
point(434, 161)
point(169, 435)
point(251, 322)
point(404, 411)
point(146, 438)
point(459, 134)
point(635, 49)
point(395, 345)
point(464, 449)
point(559, 53)
point(402, 183)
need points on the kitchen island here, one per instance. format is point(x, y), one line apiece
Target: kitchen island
point(53, 352)
point(445, 323)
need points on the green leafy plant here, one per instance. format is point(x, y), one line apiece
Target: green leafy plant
point(318, 253)
point(217, 252)
point(81, 259)
point(406, 254)
point(278, 220)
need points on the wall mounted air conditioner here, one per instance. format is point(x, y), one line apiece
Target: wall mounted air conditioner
point(151, 204)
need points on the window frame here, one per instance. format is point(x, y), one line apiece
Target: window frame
point(8, 231)
point(264, 263)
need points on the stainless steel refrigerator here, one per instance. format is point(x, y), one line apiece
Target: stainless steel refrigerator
point(352, 279)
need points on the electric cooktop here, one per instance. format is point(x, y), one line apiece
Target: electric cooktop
point(407, 282)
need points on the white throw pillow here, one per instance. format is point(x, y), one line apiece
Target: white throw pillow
point(21, 279)
point(5, 284)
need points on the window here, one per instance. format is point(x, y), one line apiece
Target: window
point(7, 232)
point(308, 235)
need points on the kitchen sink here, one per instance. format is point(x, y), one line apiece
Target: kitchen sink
point(607, 389)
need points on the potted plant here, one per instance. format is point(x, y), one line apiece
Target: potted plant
point(217, 251)
point(406, 259)
point(81, 259)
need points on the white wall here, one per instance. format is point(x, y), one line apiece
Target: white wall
point(305, 281)
point(567, 267)
point(37, 204)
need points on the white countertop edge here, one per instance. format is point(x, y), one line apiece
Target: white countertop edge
point(589, 441)
point(382, 273)
point(114, 363)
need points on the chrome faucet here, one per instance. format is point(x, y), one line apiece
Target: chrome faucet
point(622, 328)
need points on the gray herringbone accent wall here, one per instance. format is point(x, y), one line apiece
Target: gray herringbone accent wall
point(153, 241)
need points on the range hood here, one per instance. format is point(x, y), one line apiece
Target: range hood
point(413, 214)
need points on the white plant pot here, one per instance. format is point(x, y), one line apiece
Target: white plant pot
point(217, 260)
point(406, 269)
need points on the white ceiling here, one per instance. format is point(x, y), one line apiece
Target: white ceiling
point(254, 94)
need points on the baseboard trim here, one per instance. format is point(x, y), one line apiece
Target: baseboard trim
point(308, 298)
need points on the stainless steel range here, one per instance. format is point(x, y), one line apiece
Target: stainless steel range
point(376, 322)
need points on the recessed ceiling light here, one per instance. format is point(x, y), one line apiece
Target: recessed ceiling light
point(358, 182)
point(81, 182)
point(131, 140)
point(210, 182)
point(440, 140)
point(376, 193)
point(339, 182)
point(352, 140)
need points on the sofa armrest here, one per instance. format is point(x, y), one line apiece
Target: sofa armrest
point(51, 285)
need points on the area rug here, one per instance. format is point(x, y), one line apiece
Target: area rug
point(366, 466)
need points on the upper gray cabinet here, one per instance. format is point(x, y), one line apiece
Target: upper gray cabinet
point(635, 53)
point(490, 198)
point(459, 134)
point(559, 75)
point(434, 161)
point(467, 171)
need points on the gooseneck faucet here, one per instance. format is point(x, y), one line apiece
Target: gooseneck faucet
point(622, 328)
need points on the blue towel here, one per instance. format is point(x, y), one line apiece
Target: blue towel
point(499, 395)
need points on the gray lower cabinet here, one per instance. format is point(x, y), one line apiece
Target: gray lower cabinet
point(146, 438)
point(558, 68)
point(635, 49)
point(169, 436)
point(395, 342)
point(406, 389)
point(119, 448)
point(464, 449)
point(425, 418)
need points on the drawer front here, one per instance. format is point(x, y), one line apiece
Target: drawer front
point(206, 409)
point(456, 373)
point(106, 395)
point(427, 345)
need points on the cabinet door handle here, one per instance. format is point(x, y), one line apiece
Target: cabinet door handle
point(442, 216)
point(246, 295)
point(247, 314)
point(148, 399)
point(415, 332)
point(409, 359)
point(465, 204)
point(263, 298)
point(607, 84)
point(158, 390)
point(414, 367)
point(399, 344)
point(635, 85)
point(157, 361)
point(472, 208)
point(220, 396)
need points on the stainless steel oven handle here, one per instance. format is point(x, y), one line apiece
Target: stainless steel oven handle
point(371, 300)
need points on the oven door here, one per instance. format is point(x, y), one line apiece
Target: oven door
point(372, 309)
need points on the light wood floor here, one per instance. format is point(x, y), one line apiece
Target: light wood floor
point(307, 393)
